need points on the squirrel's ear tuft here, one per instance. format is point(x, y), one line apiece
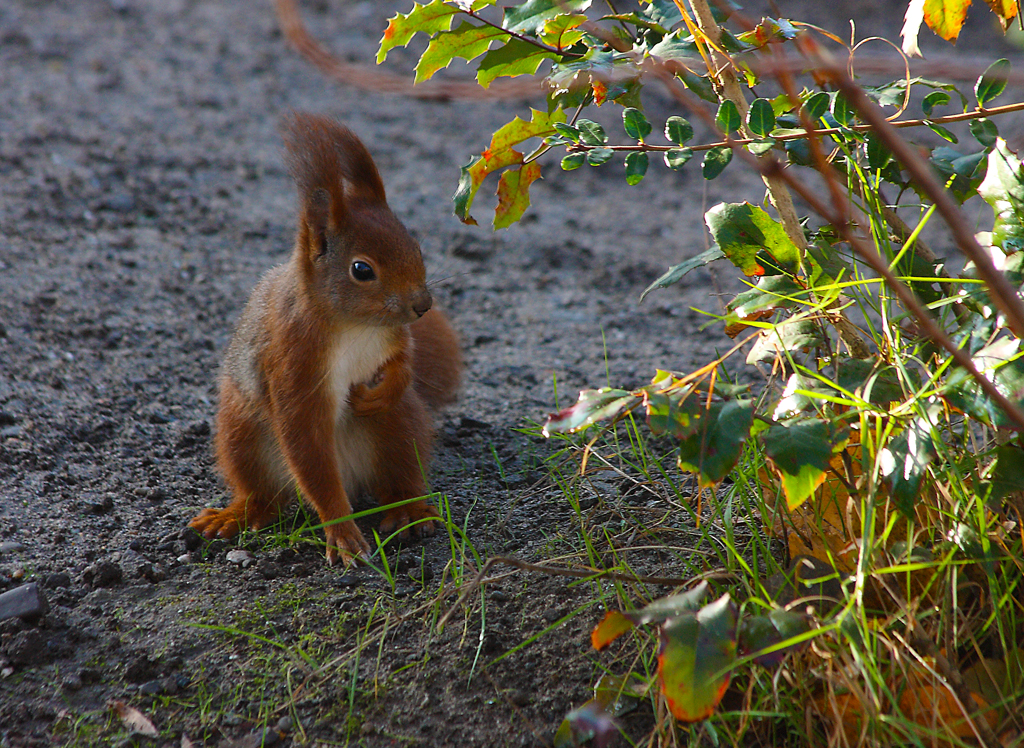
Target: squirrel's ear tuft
point(316, 216)
point(323, 155)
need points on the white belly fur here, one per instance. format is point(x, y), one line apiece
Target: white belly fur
point(357, 354)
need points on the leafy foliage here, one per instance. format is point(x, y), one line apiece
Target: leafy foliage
point(882, 462)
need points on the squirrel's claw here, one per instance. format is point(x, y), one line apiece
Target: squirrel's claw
point(345, 543)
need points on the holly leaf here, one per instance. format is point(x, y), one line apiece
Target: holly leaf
point(561, 31)
point(946, 17)
point(676, 412)
point(473, 175)
point(499, 155)
point(429, 18)
point(743, 231)
point(467, 41)
point(695, 659)
point(668, 607)
point(800, 452)
point(878, 385)
point(514, 194)
point(512, 59)
point(715, 446)
point(791, 335)
point(1003, 189)
point(768, 634)
point(771, 292)
point(1007, 475)
point(530, 17)
point(592, 406)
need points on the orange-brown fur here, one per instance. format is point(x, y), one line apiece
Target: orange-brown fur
point(331, 377)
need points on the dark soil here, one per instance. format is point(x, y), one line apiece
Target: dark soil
point(142, 194)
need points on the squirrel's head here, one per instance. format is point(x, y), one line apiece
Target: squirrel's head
point(357, 260)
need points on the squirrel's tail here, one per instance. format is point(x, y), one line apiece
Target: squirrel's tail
point(437, 360)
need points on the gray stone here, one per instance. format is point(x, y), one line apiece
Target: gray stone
point(26, 602)
point(241, 557)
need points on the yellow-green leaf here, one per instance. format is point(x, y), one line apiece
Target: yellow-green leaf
point(428, 18)
point(514, 194)
point(946, 17)
point(1005, 10)
point(467, 41)
point(695, 659)
point(511, 59)
point(473, 175)
point(562, 32)
point(540, 125)
point(612, 626)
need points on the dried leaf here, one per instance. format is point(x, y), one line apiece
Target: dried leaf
point(133, 719)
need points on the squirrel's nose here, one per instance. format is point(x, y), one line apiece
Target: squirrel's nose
point(421, 305)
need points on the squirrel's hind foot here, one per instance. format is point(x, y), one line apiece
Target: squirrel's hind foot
point(413, 520)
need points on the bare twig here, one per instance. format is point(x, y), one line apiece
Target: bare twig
point(862, 248)
point(1003, 293)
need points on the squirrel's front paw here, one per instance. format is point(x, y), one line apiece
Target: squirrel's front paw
point(345, 542)
point(366, 401)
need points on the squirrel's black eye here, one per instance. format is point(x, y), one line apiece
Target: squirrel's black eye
point(362, 271)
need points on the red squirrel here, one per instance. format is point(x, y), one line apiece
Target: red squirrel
point(337, 361)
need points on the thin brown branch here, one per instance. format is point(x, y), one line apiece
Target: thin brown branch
point(1003, 293)
point(905, 295)
point(786, 137)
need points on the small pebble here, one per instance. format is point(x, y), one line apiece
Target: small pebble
point(241, 557)
point(9, 547)
point(551, 615)
point(151, 688)
point(499, 596)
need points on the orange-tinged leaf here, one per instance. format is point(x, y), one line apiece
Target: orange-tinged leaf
point(933, 706)
point(612, 626)
point(499, 155)
point(541, 125)
point(1005, 10)
point(473, 175)
point(600, 92)
point(695, 658)
point(946, 17)
point(842, 711)
point(514, 194)
point(429, 18)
